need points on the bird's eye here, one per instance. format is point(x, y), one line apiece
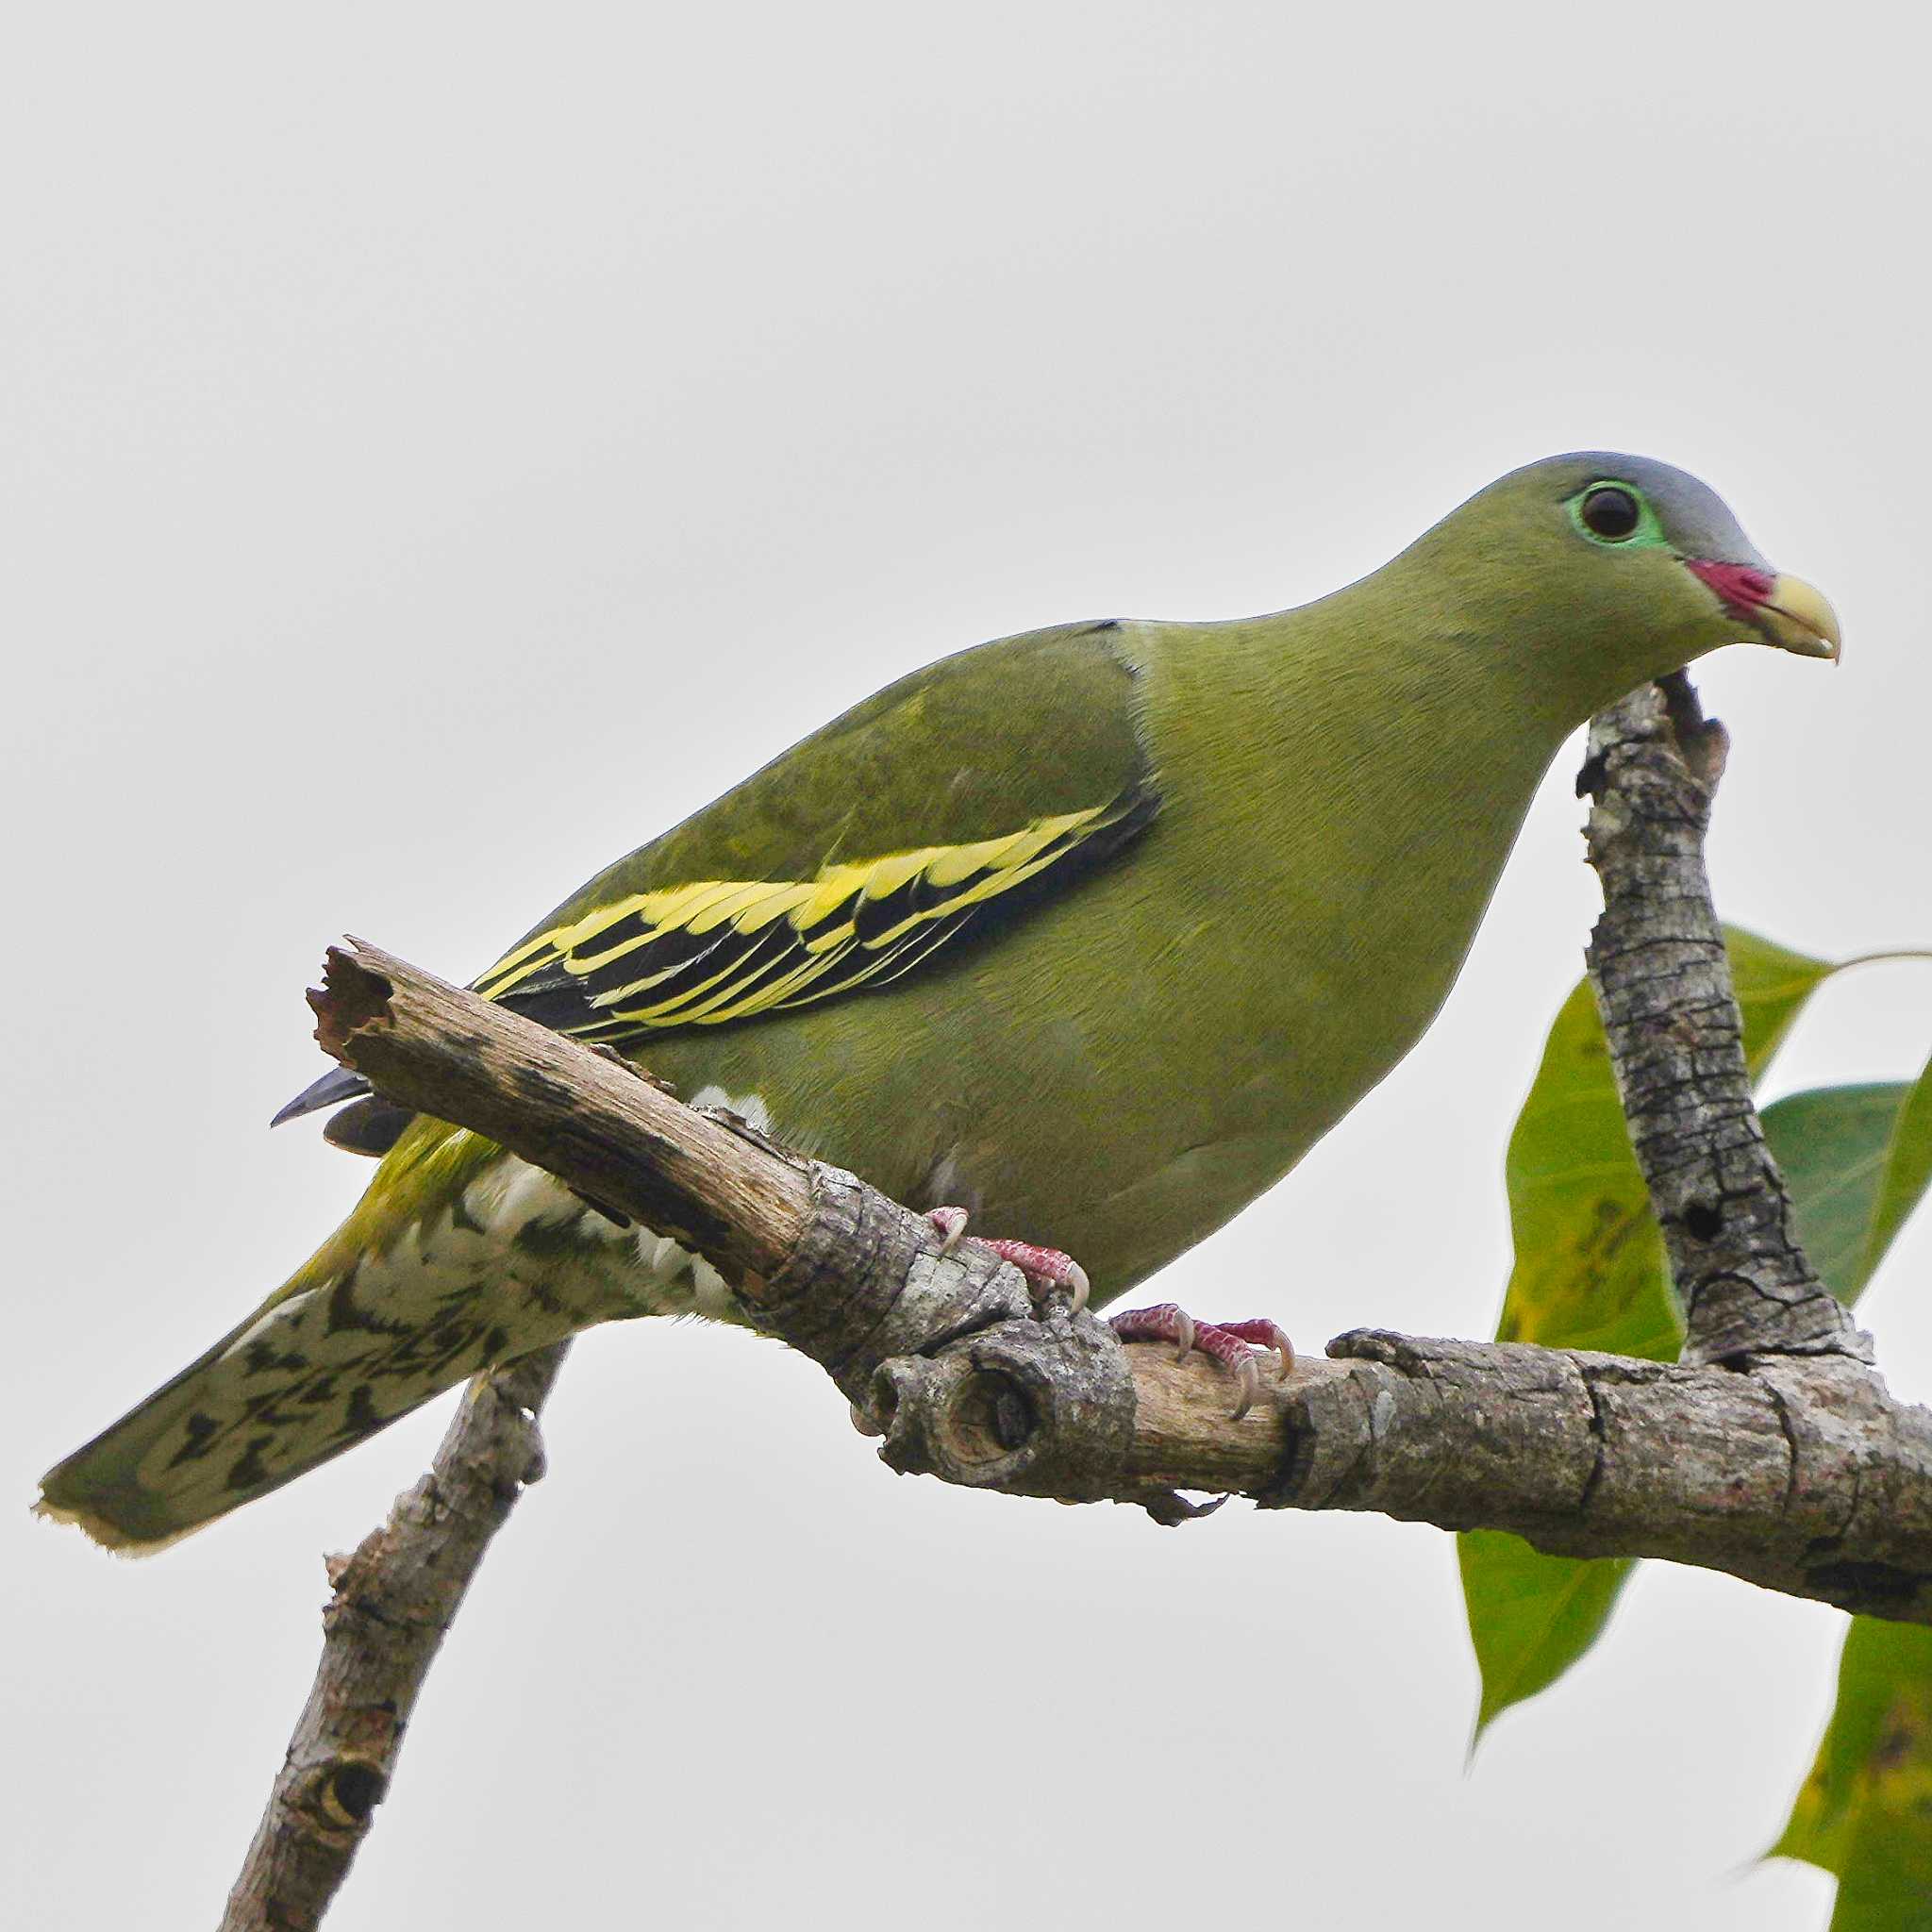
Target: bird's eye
point(1612, 512)
point(1609, 512)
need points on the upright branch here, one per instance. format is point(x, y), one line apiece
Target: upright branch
point(392, 1605)
point(1663, 986)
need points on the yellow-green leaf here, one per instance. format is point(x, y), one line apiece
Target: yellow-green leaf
point(1589, 1269)
point(1771, 983)
point(1590, 1272)
point(1858, 1161)
point(1865, 1813)
point(1531, 1616)
point(1844, 1152)
point(1589, 1262)
point(1907, 1170)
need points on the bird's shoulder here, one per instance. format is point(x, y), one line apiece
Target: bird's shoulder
point(947, 801)
point(933, 814)
point(974, 746)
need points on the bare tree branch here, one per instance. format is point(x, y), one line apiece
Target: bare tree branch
point(1800, 1472)
point(392, 1604)
point(1804, 1476)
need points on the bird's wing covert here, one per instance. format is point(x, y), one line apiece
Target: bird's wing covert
point(926, 817)
point(721, 950)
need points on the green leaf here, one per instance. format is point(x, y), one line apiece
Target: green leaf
point(1773, 984)
point(1589, 1266)
point(1837, 1147)
point(1908, 1172)
point(1590, 1272)
point(1589, 1269)
point(1531, 1616)
point(1865, 1813)
point(1858, 1161)
point(1589, 1257)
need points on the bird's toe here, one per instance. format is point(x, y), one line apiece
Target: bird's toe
point(1230, 1344)
point(1046, 1269)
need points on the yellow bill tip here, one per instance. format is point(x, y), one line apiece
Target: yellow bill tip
point(1797, 617)
point(1783, 611)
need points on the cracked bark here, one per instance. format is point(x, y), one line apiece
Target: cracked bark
point(391, 1606)
point(1803, 1476)
point(1772, 1451)
point(1663, 986)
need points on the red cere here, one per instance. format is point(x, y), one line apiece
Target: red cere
point(1741, 588)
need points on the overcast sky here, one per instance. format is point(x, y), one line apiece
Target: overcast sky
point(442, 446)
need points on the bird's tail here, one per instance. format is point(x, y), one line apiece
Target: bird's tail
point(248, 1416)
point(418, 1289)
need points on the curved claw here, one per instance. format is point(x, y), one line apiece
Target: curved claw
point(951, 1223)
point(1183, 1342)
point(1249, 1376)
point(1230, 1344)
point(1046, 1269)
point(1079, 1286)
point(1263, 1333)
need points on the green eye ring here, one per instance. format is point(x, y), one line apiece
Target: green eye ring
point(1615, 516)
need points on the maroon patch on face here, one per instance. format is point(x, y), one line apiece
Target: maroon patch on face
point(1743, 587)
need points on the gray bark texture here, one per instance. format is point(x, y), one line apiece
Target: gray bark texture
point(1772, 1451)
point(1663, 988)
point(391, 1606)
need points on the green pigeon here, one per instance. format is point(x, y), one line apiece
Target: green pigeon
point(1088, 933)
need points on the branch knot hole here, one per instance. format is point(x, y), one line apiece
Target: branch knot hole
point(1704, 1220)
point(348, 1791)
point(989, 1416)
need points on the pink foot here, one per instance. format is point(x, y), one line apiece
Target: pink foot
point(1226, 1342)
point(1046, 1269)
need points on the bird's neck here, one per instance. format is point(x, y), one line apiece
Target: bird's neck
point(1399, 723)
point(1432, 646)
point(1356, 770)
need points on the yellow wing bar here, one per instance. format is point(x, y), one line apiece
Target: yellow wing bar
point(721, 950)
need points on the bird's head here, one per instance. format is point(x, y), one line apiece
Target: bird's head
point(1629, 566)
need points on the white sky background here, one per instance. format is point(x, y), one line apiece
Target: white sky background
point(441, 447)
